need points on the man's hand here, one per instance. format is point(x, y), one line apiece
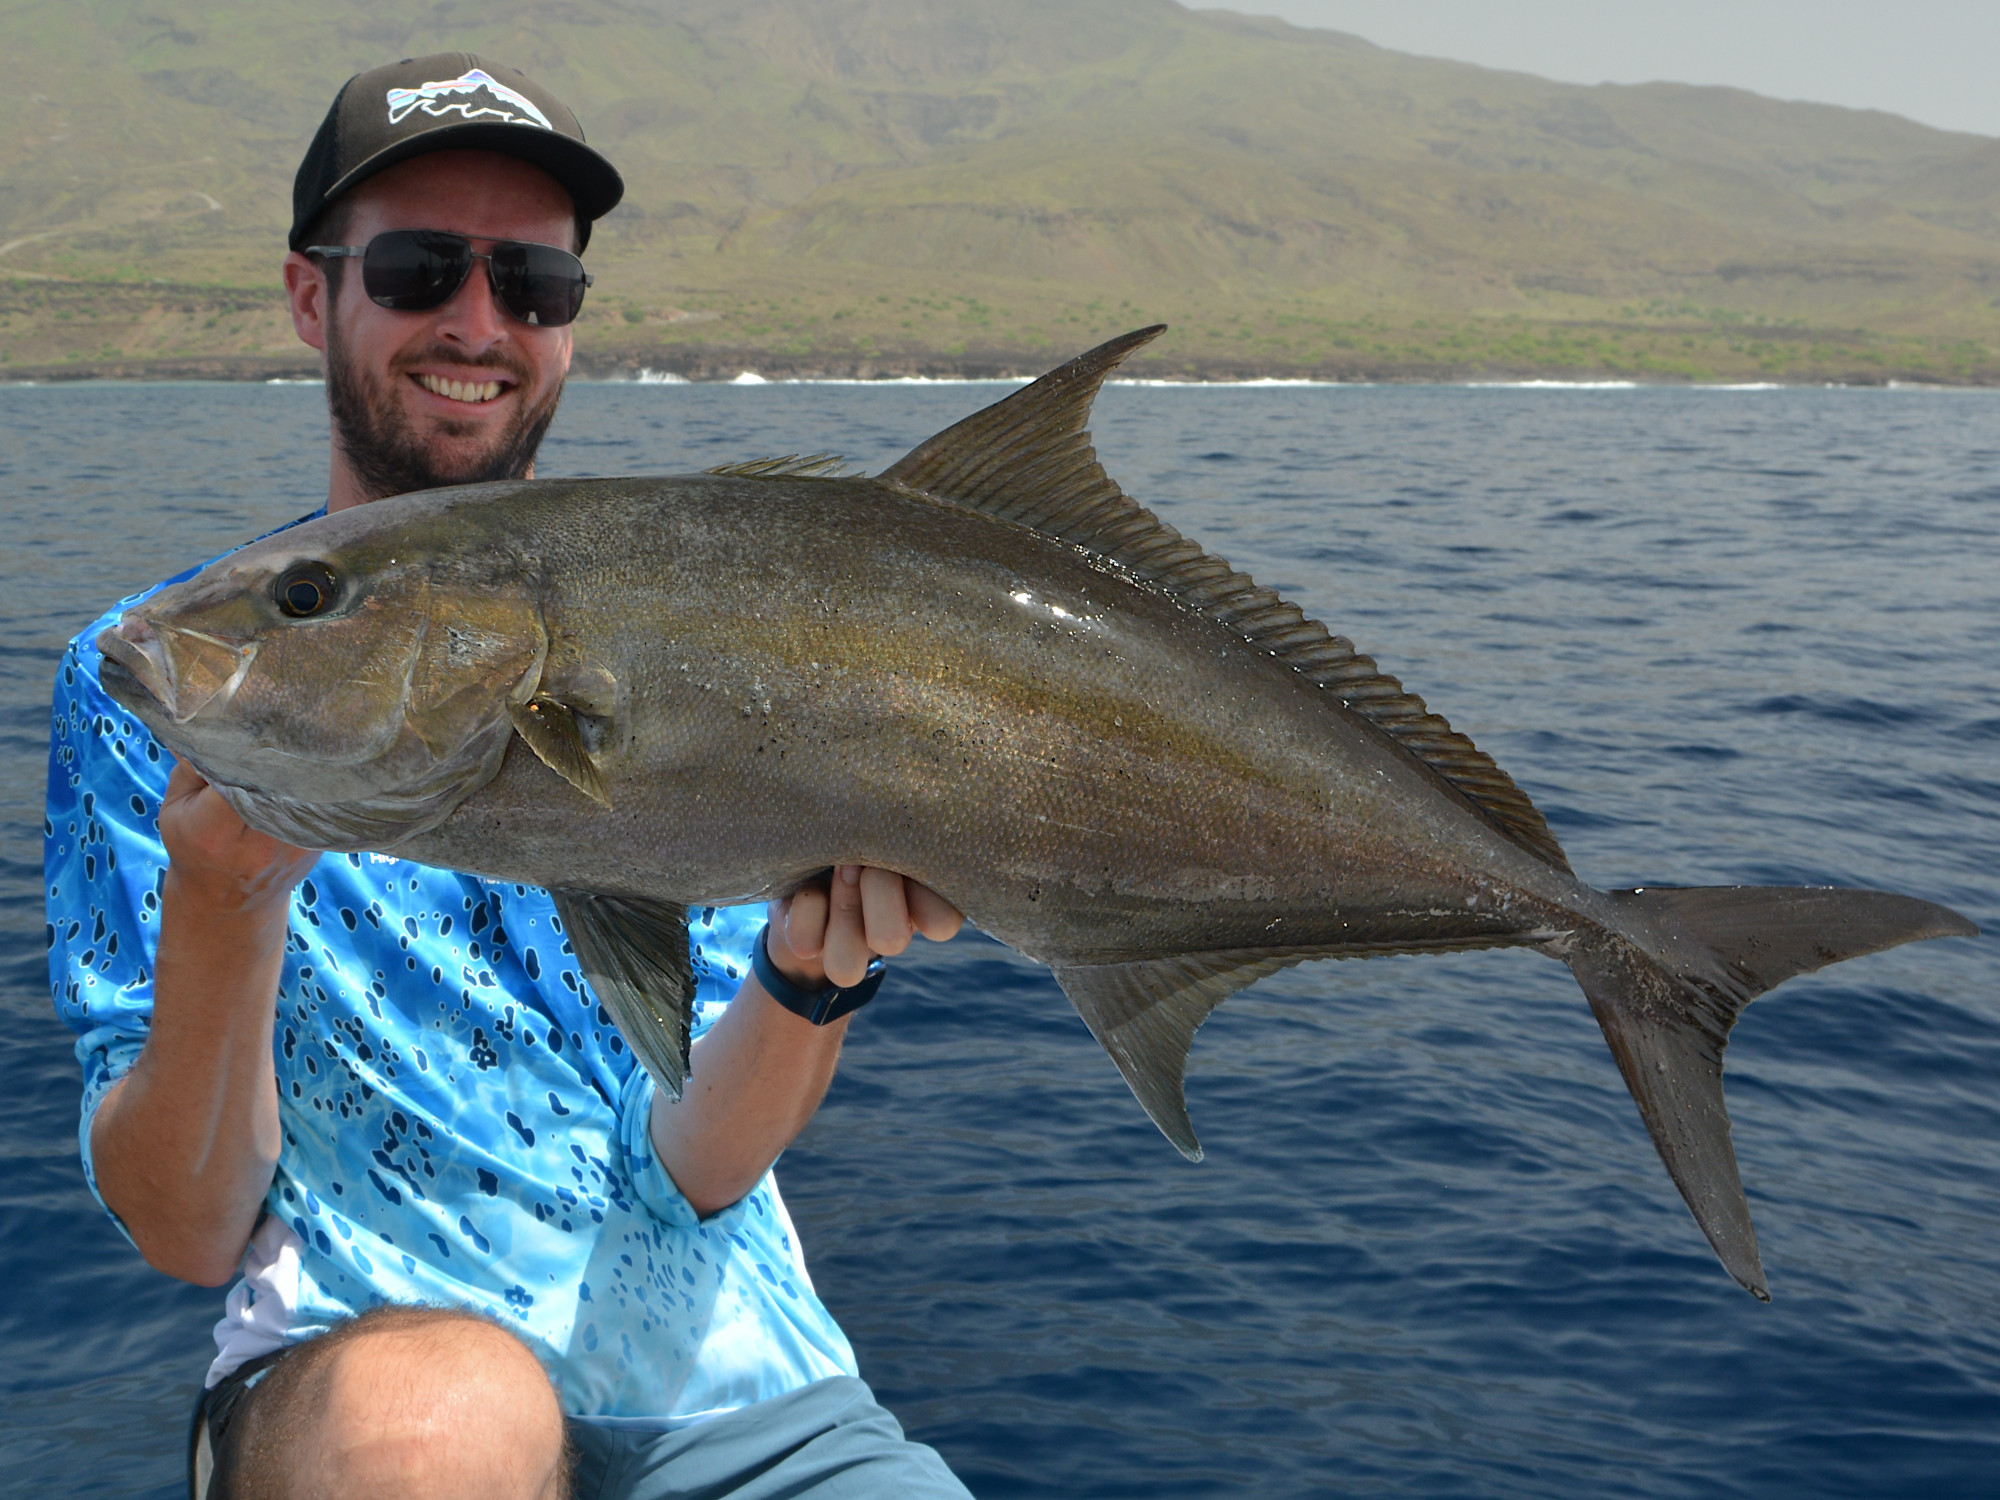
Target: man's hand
point(761, 1071)
point(185, 1144)
point(222, 862)
point(830, 932)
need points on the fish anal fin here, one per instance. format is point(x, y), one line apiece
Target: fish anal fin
point(1145, 1014)
point(1146, 1011)
point(634, 954)
point(552, 730)
point(1029, 459)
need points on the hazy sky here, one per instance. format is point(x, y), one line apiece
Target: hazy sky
point(1937, 61)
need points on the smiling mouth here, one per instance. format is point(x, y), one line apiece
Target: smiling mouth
point(470, 392)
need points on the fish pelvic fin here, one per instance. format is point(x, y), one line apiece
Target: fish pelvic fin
point(1145, 1014)
point(1029, 459)
point(1667, 1009)
point(634, 955)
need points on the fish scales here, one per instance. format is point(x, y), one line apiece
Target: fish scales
point(833, 671)
point(987, 669)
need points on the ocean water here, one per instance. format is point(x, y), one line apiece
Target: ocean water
point(1720, 636)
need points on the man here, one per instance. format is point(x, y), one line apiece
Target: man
point(460, 1212)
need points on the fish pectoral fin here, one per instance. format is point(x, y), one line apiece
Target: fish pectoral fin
point(634, 953)
point(1145, 1013)
point(551, 730)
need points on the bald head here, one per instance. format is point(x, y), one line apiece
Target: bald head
point(404, 1401)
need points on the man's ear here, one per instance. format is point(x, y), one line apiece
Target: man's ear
point(310, 297)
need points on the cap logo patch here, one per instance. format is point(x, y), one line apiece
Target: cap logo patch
point(475, 96)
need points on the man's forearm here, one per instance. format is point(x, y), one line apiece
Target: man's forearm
point(185, 1145)
point(761, 1071)
point(757, 1077)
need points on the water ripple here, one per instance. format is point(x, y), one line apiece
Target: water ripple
point(1720, 637)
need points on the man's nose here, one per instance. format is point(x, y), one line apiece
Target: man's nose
point(474, 318)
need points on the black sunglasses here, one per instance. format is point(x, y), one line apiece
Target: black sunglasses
point(414, 270)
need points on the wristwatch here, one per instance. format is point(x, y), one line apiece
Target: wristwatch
point(817, 1006)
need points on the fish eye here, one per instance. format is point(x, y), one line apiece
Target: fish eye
point(306, 589)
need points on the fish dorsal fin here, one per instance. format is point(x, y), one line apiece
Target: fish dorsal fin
point(635, 955)
point(791, 466)
point(1029, 459)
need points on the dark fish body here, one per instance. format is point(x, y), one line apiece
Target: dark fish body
point(841, 671)
point(987, 669)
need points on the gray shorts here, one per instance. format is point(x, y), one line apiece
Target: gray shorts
point(828, 1441)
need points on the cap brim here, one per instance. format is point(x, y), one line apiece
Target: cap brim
point(592, 183)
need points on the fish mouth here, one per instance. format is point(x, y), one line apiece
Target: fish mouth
point(135, 665)
point(139, 665)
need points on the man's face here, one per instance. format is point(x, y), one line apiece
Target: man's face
point(391, 376)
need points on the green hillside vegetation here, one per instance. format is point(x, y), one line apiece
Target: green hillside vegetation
point(885, 186)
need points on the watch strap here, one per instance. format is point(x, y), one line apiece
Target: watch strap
point(819, 1006)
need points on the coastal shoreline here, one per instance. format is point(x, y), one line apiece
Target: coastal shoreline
point(56, 330)
point(724, 366)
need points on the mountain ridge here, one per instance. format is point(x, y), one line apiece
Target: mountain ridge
point(880, 184)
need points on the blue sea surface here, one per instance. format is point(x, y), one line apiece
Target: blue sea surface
point(1719, 636)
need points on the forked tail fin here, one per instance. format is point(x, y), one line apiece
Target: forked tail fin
point(1666, 1010)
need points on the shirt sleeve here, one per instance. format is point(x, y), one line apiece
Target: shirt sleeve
point(102, 864)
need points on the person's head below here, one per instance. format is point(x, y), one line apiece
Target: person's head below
point(401, 1401)
point(437, 220)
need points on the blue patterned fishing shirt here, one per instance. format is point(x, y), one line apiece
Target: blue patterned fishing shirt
point(463, 1125)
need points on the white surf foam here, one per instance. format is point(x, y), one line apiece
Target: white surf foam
point(1552, 385)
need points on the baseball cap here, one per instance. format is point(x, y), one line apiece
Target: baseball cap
point(449, 100)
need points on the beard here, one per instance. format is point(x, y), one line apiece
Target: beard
point(387, 454)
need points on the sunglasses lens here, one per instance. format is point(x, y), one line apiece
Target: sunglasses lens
point(414, 270)
point(411, 270)
point(539, 284)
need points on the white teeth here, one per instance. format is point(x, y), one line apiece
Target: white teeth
point(472, 391)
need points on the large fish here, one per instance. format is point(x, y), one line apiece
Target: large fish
point(985, 668)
